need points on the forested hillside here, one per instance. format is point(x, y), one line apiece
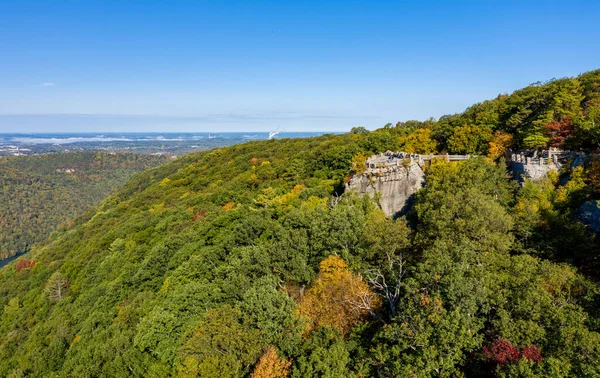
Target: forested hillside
point(252, 261)
point(561, 113)
point(41, 192)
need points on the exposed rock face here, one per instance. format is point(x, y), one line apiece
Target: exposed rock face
point(589, 214)
point(396, 181)
point(531, 171)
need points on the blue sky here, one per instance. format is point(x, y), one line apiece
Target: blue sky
point(257, 65)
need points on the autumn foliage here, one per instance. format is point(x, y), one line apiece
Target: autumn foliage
point(559, 131)
point(420, 142)
point(271, 365)
point(531, 353)
point(25, 264)
point(501, 351)
point(499, 144)
point(337, 298)
point(359, 163)
point(198, 215)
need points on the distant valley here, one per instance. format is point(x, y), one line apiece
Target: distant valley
point(39, 193)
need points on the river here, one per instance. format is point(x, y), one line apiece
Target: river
point(10, 259)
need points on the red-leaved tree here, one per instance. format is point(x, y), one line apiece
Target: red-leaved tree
point(532, 353)
point(501, 351)
point(559, 131)
point(25, 264)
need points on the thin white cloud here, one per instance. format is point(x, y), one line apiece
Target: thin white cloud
point(48, 84)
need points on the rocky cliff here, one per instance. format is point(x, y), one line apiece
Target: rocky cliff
point(395, 178)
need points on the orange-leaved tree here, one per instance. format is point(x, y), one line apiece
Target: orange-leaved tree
point(271, 365)
point(499, 144)
point(337, 298)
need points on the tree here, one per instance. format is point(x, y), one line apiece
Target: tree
point(559, 131)
point(337, 298)
point(220, 346)
point(387, 241)
point(498, 145)
point(501, 351)
point(25, 264)
point(419, 142)
point(536, 141)
point(359, 163)
point(56, 286)
point(265, 171)
point(567, 101)
point(271, 365)
point(361, 130)
point(469, 140)
point(590, 125)
point(593, 175)
point(270, 310)
point(324, 355)
point(464, 203)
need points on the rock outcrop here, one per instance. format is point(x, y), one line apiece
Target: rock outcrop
point(589, 214)
point(395, 179)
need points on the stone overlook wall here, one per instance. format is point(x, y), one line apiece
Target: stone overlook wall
point(528, 165)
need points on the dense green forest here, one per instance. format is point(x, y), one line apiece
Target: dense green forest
point(251, 260)
point(38, 193)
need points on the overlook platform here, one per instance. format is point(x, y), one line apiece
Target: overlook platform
point(390, 159)
point(396, 177)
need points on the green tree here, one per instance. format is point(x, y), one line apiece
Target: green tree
point(567, 101)
point(469, 140)
point(220, 346)
point(57, 286)
point(388, 256)
point(360, 130)
point(536, 141)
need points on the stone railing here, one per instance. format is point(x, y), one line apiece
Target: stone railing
point(397, 159)
point(548, 157)
point(530, 160)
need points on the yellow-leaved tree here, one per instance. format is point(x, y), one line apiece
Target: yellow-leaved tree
point(359, 163)
point(500, 142)
point(337, 298)
point(419, 142)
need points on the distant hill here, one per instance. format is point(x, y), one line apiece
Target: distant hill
point(38, 193)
